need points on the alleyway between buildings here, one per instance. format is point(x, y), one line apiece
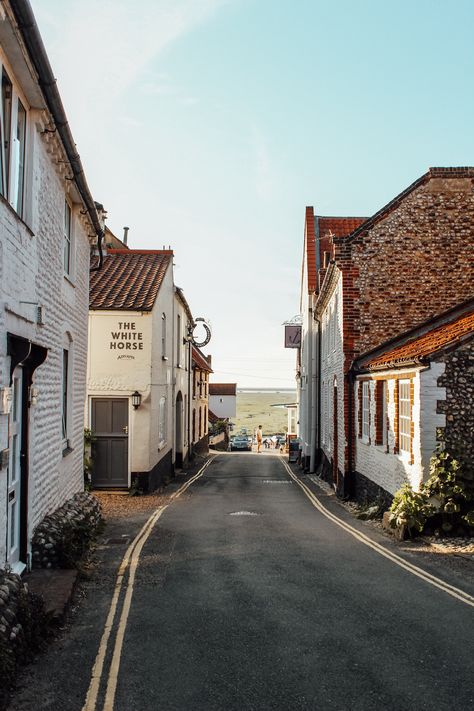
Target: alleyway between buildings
point(248, 594)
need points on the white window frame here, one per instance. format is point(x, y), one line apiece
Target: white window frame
point(13, 168)
point(365, 400)
point(162, 423)
point(68, 239)
point(404, 417)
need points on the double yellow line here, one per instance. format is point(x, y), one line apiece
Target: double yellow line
point(393, 557)
point(130, 560)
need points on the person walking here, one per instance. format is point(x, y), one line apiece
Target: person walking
point(259, 436)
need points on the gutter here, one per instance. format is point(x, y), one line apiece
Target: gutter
point(34, 44)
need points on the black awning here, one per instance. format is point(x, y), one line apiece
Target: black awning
point(26, 353)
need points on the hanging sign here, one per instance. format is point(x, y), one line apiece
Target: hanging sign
point(292, 336)
point(203, 338)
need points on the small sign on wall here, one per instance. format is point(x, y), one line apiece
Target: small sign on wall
point(292, 336)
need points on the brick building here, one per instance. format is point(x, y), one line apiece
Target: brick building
point(408, 263)
point(47, 217)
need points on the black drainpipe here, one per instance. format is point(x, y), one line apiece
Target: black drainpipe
point(31, 36)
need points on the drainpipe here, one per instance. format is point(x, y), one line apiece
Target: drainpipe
point(34, 44)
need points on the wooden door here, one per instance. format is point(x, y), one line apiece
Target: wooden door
point(110, 448)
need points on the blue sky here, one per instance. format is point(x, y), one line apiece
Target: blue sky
point(209, 125)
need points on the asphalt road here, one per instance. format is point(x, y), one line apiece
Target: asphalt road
point(247, 597)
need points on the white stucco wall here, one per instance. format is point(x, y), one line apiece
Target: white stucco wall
point(31, 269)
point(223, 405)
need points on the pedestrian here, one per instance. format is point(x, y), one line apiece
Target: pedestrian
point(259, 436)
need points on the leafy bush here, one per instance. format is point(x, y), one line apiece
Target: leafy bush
point(444, 502)
point(409, 508)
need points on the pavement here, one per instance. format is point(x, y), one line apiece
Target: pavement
point(246, 597)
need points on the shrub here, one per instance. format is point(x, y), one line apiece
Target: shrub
point(409, 508)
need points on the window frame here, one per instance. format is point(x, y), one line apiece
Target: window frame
point(404, 419)
point(68, 239)
point(163, 337)
point(365, 403)
point(65, 396)
point(14, 155)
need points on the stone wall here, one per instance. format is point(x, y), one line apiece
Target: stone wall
point(458, 407)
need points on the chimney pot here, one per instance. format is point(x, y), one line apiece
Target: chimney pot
point(125, 234)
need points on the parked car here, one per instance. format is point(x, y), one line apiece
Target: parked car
point(241, 444)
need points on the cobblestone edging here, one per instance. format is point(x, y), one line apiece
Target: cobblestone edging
point(62, 538)
point(23, 626)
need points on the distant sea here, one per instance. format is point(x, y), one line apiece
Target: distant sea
point(263, 406)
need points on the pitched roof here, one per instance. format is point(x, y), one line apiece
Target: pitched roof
point(129, 280)
point(222, 388)
point(200, 361)
point(212, 417)
point(319, 232)
point(424, 342)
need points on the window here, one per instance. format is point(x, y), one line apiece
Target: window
point(366, 410)
point(67, 238)
point(65, 394)
point(178, 341)
point(163, 336)
point(162, 423)
point(12, 145)
point(404, 415)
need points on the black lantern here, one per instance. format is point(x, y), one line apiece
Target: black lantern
point(136, 399)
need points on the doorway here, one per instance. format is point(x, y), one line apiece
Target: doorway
point(110, 446)
point(178, 460)
point(16, 513)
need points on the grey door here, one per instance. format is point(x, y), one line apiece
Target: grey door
point(110, 448)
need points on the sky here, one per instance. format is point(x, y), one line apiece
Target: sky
point(209, 125)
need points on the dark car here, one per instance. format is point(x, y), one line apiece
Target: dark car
point(241, 444)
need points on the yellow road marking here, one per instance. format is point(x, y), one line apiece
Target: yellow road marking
point(410, 567)
point(131, 556)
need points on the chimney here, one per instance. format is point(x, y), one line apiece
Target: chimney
point(209, 360)
point(125, 235)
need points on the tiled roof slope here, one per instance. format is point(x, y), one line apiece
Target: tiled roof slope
point(321, 229)
point(222, 388)
point(437, 339)
point(130, 279)
point(200, 361)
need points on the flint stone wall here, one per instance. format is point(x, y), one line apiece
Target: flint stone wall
point(458, 379)
point(61, 539)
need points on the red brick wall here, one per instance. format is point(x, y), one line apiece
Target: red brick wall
point(413, 264)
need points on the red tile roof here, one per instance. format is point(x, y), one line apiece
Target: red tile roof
point(199, 360)
point(212, 417)
point(418, 348)
point(130, 279)
point(222, 388)
point(322, 229)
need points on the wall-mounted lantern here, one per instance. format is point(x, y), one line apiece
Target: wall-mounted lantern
point(136, 399)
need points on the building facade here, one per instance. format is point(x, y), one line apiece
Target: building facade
point(139, 370)
point(408, 263)
point(46, 217)
point(200, 401)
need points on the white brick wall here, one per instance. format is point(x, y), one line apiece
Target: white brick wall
point(31, 269)
point(332, 370)
point(388, 469)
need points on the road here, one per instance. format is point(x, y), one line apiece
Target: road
point(247, 597)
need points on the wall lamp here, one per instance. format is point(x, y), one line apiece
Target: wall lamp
point(136, 399)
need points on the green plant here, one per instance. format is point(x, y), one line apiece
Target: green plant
point(450, 492)
point(409, 508)
point(88, 440)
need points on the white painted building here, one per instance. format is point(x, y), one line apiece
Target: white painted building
point(46, 217)
point(223, 400)
point(139, 370)
point(200, 401)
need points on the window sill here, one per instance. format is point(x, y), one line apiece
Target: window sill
point(69, 279)
point(67, 449)
point(14, 212)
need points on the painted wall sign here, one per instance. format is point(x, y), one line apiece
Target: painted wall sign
point(126, 337)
